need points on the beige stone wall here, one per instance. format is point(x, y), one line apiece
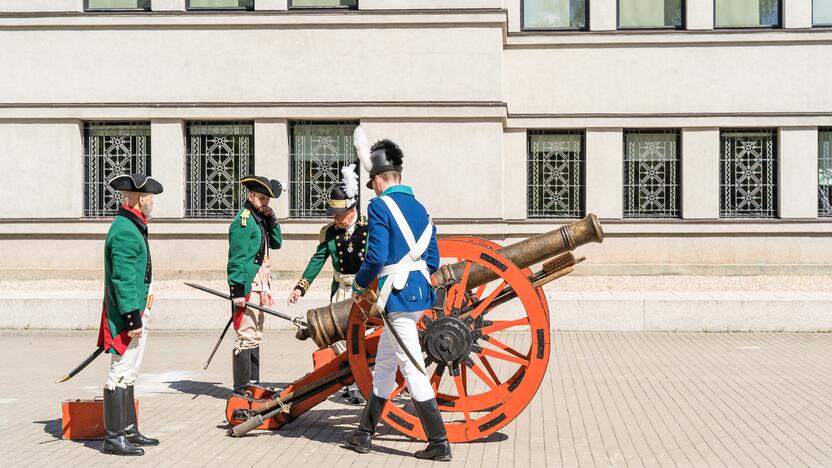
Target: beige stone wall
point(456, 84)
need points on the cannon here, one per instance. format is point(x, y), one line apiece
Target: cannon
point(486, 340)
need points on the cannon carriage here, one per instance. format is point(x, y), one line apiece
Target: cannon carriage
point(486, 340)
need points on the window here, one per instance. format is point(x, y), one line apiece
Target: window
point(556, 174)
point(92, 5)
point(651, 174)
point(822, 12)
point(220, 4)
point(825, 172)
point(318, 152)
point(111, 149)
point(554, 14)
point(219, 155)
point(747, 13)
point(748, 173)
point(351, 4)
point(650, 14)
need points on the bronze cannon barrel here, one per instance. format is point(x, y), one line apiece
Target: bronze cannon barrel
point(328, 324)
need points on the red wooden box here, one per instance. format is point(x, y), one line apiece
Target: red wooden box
point(84, 419)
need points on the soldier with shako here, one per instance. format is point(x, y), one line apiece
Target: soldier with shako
point(251, 234)
point(127, 302)
point(403, 254)
point(344, 240)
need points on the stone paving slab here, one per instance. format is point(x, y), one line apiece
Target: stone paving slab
point(608, 399)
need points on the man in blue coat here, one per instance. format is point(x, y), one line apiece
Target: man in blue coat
point(402, 253)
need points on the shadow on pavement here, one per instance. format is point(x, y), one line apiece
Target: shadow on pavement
point(53, 428)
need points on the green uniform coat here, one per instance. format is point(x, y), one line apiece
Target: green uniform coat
point(335, 244)
point(127, 277)
point(247, 248)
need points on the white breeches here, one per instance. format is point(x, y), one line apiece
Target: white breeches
point(390, 358)
point(124, 369)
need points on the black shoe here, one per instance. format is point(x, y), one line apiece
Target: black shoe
point(254, 373)
point(361, 439)
point(241, 368)
point(354, 396)
point(115, 441)
point(131, 427)
point(438, 448)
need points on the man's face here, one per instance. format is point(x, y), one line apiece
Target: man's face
point(343, 220)
point(258, 200)
point(146, 204)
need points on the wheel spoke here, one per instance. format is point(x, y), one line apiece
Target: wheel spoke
point(397, 391)
point(463, 395)
point(483, 305)
point(501, 392)
point(504, 356)
point(498, 325)
point(487, 364)
point(494, 341)
point(436, 378)
point(464, 285)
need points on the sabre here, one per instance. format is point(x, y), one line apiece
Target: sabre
point(217, 346)
point(297, 321)
point(83, 364)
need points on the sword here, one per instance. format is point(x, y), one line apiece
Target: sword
point(395, 334)
point(83, 364)
point(297, 321)
point(216, 346)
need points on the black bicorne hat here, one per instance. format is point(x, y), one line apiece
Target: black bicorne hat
point(260, 184)
point(339, 201)
point(385, 156)
point(139, 183)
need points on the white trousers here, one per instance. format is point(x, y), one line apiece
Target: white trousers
point(390, 358)
point(124, 369)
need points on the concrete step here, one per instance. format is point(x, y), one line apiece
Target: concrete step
point(578, 311)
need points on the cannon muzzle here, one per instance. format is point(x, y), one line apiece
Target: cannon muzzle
point(328, 324)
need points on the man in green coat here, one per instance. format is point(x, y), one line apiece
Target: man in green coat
point(252, 233)
point(127, 302)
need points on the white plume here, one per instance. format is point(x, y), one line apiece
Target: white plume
point(362, 148)
point(350, 180)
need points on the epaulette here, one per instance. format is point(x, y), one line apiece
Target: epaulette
point(322, 235)
point(244, 217)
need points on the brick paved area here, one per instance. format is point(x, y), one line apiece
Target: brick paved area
point(622, 399)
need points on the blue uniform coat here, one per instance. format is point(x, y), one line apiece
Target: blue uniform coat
point(386, 246)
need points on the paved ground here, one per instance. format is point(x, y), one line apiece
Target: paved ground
point(623, 399)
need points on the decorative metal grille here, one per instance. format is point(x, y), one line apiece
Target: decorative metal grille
point(825, 172)
point(319, 151)
point(651, 176)
point(111, 149)
point(556, 174)
point(748, 173)
point(219, 155)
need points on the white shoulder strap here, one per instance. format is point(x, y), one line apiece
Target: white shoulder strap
point(416, 248)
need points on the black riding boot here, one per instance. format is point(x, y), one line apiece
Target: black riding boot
point(361, 439)
point(254, 374)
point(131, 429)
point(115, 442)
point(242, 370)
point(438, 447)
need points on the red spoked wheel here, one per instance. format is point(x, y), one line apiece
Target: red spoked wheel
point(486, 355)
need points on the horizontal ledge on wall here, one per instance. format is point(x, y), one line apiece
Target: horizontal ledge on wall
point(259, 20)
point(413, 110)
point(178, 228)
point(676, 119)
point(676, 38)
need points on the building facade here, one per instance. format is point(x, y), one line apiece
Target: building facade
point(699, 131)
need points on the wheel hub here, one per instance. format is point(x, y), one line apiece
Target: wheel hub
point(448, 340)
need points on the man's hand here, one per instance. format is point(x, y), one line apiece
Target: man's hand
point(294, 297)
point(135, 333)
point(239, 301)
point(268, 213)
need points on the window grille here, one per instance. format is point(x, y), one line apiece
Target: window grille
point(651, 175)
point(556, 174)
point(748, 173)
